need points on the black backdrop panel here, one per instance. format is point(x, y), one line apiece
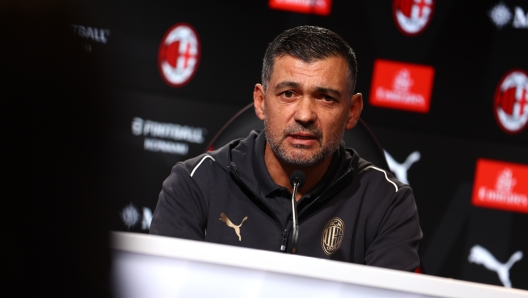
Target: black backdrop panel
point(469, 53)
point(442, 181)
point(152, 125)
point(149, 134)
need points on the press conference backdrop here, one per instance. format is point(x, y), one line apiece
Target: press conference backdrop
point(445, 85)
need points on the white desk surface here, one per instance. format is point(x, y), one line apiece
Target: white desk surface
point(311, 270)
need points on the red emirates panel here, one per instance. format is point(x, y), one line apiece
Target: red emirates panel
point(401, 86)
point(501, 185)
point(320, 7)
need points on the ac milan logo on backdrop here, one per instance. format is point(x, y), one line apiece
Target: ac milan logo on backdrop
point(179, 54)
point(511, 101)
point(412, 16)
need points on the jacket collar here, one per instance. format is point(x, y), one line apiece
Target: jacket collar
point(248, 156)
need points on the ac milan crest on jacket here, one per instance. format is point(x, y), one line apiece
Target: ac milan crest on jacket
point(357, 213)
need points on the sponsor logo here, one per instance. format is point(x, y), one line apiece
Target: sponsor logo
point(501, 185)
point(98, 35)
point(131, 216)
point(402, 86)
point(401, 169)
point(230, 224)
point(320, 7)
point(154, 132)
point(91, 33)
point(179, 54)
point(511, 101)
point(481, 256)
point(501, 15)
point(333, 235)
point(412, 16)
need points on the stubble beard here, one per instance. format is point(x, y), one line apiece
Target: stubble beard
point(276, 141)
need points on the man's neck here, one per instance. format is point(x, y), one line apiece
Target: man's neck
point(280, 172)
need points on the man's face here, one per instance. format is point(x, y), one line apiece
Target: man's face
point(306, 109)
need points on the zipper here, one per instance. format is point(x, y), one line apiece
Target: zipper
point(284, 242)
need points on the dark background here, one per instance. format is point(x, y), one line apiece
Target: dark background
point(120, 80)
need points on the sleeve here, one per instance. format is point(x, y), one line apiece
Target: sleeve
point(396, 243)
point(182, 209)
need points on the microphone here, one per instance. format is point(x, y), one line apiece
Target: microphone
point(297, 180)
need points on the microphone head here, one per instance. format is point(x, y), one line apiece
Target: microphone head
point(297, 177)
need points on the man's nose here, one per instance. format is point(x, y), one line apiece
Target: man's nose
point(305, 113)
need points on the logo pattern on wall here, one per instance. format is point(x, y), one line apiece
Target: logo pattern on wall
point(402, 86)
point(320, 7)
point(481, 256)
point(168, 124)
point(412, 16)
point(155, 132)
point(98, 35)
point(131, 216)
point(401, 169)
point(501, 185)
point(179, 55)
point(511, 102)
point(501, 15)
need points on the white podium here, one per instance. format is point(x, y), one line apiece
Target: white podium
point(157, 267)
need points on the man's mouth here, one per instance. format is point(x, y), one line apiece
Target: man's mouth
point(305, 139)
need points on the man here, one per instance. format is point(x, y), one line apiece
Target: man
point(240, 194)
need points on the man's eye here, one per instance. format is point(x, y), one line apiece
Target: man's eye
point(288, 94)
point(328, 98)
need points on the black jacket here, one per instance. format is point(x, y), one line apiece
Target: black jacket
point(357, 213)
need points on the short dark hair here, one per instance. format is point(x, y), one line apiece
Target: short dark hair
point(309, 44)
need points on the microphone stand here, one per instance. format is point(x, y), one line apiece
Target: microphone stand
point(297, 179)
point(294, 216)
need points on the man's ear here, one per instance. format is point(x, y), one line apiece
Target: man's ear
point(356, 106)
point(258, 101)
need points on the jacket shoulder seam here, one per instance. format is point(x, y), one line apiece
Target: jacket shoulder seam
point(200, 163)
point(385, 173)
